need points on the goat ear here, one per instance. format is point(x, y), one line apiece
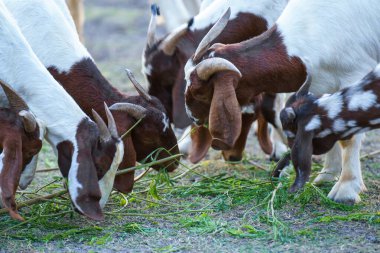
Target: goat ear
point(200, 143)
point(302, 151)
point(10, 176)
point(263, 135)
point(236, 153)
point(225, 114)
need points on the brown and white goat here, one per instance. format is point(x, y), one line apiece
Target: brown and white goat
point(164, 60)
point(73, 67)
point(75, 138)
point(19, 143)
point(309, 35)
point(313, 125)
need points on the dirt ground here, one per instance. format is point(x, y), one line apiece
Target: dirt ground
point(215, 207)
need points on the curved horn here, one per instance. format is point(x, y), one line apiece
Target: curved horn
point(212, 34)
point(304, 90)
point(290, 114)
point(210, 66)
point(104, 133)
point(111, 122)
point(152, 25)
point(138, 86)
point(136, 111)
point(168, 45)
point(28, 120)
point(16, 103)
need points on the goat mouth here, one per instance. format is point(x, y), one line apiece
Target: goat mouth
point(219, 144)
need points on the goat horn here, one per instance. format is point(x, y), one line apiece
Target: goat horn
point(28, 120)
point(212, 34)
point(152, 25)
point(111, 122)
point(136, 111)
point(138, 86)
point(104, 133)
point(290, 113)
point(304, 90)
point(169, 44)
point(16, 103)
point(210, 66)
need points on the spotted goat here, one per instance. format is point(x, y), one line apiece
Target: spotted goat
point(72, 66)
point(312, 128)
point(78, 142)
point(164, 60)
point(309, 36)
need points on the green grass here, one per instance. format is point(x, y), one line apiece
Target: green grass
point(197, 201)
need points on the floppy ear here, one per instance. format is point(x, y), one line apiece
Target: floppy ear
point(11, 162)
point(263, 135)
point(236, 153)
point(200, 143)
point(302, 151)
point(225, 113)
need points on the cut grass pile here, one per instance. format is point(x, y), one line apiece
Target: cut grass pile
point(215, 198)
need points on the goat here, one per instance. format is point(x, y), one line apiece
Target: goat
point(312, 128)
point(73, 67)
point(19, 143)
point(177, 12)
point(76, 139)
point(164, 59)
point(308, 36)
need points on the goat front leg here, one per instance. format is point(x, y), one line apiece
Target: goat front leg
point(350, 182)
point(332, 166)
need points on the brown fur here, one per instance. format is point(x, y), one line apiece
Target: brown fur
point(167, 71)
point(90, 89)
point(18, 147)
point(265, 67)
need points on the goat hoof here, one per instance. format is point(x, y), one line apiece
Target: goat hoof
point(346, 192)
point(324, 177)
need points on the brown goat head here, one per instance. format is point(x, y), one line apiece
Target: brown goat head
point(19, 143)
point(153, 137)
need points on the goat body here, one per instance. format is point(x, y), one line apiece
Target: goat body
point(72, 134)
point(309, 36)
point(73, 67)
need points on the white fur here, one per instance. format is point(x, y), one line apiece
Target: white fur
point(374, 121)
point(248, 109)
point(46, 19)
point(352, 123)
point(376, 71)
point(324, 133)
point(351, 131)
point(362, 100)
point(106, 183)
point(270, 10)
point(21, 69)
point(314, 123)
point(339, 125)
point(184, 142)
point(332, 104)
point(321, 30)
point(165, 121)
